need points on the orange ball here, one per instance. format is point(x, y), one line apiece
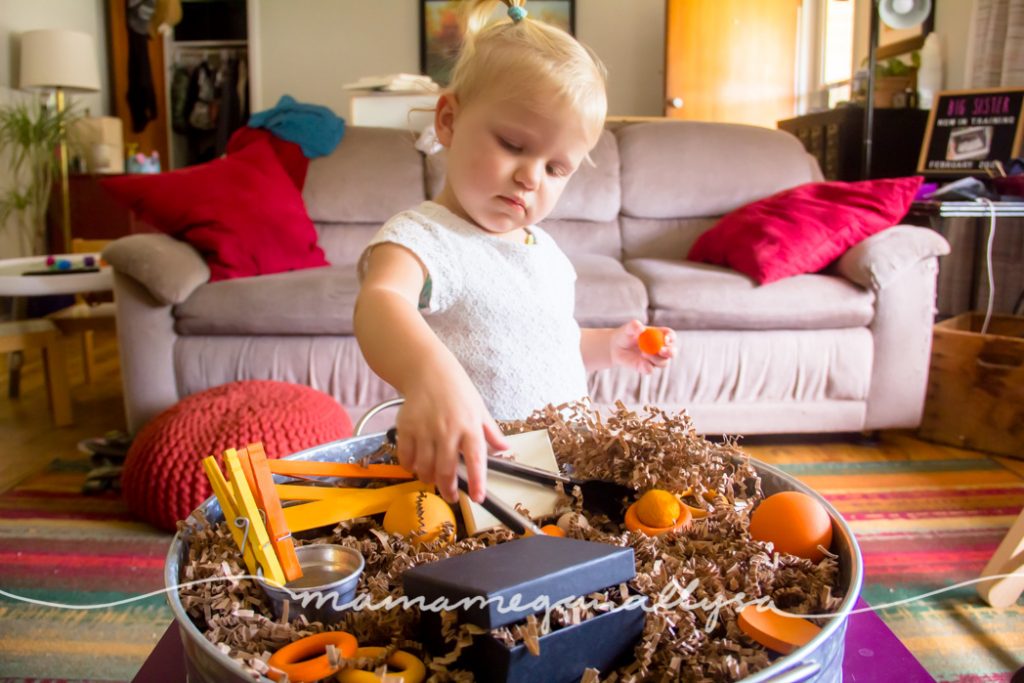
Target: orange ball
point(658, 509)
point(794, 523)
point(418, 515)
point(651, 341)
point(553, 530)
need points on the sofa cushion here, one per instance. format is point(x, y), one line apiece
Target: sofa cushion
point(373, 174)
point(268, 305)
point(689, 169)
point(606, 295)
point(241, 212)
point(803, 229)
point(693, 296)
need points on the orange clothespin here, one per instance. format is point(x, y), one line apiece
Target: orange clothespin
point(270, 503)
point(346, 470)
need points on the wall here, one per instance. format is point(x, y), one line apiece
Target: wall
point(17, 16)
point(311, 53)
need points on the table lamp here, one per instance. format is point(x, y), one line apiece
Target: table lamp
point(63, 61)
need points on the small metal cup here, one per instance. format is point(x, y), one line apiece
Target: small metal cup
point(330, 575)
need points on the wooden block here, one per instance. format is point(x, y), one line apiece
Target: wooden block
point(530, 448)
point(222, 491)
point(975, 393)
point(1008, 558)
point(259, 539)
point(268, 501)
point(356, 503)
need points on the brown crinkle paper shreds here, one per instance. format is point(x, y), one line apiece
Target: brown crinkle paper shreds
point(713, 561)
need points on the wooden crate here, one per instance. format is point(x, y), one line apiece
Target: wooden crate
point(976, 385)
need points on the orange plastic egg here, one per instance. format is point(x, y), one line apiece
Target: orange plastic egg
point(794, 523)
point(651, 341)
point(553, 530)
point(419, 515)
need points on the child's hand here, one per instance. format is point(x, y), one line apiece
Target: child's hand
point(442, 417)
point(626, 351)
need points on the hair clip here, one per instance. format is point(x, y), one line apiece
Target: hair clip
point(517, 13)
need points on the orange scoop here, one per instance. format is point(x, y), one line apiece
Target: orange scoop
point(774, 631)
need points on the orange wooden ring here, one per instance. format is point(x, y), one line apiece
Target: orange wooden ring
point(406, 666)
point(698, 513)
point(633, 523)
point(775, 631)
point(294, 658)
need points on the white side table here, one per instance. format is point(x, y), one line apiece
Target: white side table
point(18, 335)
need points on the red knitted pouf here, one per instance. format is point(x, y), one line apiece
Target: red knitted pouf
point(163, 479)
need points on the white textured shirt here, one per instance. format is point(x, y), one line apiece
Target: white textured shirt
point(503, 308)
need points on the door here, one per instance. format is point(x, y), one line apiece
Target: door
point(731, 60)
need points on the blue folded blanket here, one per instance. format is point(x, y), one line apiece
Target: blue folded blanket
point(314, 128)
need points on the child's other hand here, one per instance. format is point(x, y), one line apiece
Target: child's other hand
point(442, 417)
point(626, 351)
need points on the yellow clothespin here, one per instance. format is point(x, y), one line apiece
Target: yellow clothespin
point(222, 491)
point(258, 537)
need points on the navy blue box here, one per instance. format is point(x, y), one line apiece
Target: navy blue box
point(531, 568)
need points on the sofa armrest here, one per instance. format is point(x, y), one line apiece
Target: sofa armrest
point(169, 269)
point(878, 260)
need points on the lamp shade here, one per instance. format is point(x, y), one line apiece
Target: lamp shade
point(59, 58)
point(901, 14)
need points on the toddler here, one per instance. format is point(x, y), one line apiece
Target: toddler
point(466, 306)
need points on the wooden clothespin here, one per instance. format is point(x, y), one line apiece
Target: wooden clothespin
point(222, 491)
point(270, 503)
point(345, 470)
point(1007, 565)
point(352, 504)
point(259, 539)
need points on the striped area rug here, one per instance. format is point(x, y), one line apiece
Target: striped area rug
point(927, 517)
point(59, 546)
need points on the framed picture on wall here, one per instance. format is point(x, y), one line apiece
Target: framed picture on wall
point(441, 35)
point(969, 130)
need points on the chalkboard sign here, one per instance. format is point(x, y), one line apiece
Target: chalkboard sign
point(969, 130)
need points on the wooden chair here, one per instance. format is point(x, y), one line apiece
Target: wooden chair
point(85, 317)
point(42, 334)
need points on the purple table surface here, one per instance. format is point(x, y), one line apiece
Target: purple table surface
point(873, 653)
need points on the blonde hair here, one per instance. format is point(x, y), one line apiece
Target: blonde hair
point(526, 56)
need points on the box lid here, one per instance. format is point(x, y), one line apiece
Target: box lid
point(510, 581)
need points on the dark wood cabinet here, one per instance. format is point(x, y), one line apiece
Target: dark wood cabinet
point(836, 139)
point(95, 214)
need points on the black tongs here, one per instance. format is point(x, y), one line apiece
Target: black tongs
point(606, 497)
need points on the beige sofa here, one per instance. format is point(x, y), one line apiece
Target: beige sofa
point(843, 351)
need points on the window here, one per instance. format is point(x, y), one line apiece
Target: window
point(825, 53)
point(837, 50)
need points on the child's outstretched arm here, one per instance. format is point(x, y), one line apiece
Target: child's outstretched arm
point(443, 414)
point(607, 347)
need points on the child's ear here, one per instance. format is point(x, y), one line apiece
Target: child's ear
point(444, 118)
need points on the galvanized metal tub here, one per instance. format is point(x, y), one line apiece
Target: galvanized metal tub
point(819, 661)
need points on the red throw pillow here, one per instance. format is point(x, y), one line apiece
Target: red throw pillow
point(804, 228)
point(241, 212)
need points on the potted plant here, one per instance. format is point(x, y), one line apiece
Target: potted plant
point(30, 133)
